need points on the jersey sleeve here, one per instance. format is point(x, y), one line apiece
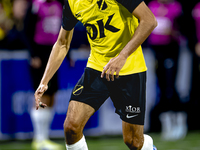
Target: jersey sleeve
point(68, 19)
point(130, 4)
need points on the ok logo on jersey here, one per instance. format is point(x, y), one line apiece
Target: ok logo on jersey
point(93, 34)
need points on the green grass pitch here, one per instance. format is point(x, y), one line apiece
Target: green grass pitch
point(191, 142)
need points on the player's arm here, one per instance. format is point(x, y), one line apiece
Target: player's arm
point(59, 51)
point(147, 24)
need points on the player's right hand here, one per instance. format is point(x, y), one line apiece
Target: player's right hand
point(113, 66)
point(38, 94)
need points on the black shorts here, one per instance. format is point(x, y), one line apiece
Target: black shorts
point(128, 94)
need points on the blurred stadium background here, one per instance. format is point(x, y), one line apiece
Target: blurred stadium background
point(103, 131)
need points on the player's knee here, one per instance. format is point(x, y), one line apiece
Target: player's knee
point(134, 143)
point(71, 127)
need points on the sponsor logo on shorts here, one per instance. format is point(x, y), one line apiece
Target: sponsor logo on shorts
point(133, 110)
point(131, 116)
point(78, 90)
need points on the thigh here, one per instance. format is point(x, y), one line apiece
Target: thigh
point(90, 89)
point(78, 113)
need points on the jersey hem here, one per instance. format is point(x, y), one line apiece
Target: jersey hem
point(120, 73)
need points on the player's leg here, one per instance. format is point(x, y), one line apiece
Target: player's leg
point(87, 96)
point(77, 116)
point(128, 94)
point(133, 135)
point(134, 138)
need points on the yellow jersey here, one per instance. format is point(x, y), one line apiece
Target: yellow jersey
point(110, 26)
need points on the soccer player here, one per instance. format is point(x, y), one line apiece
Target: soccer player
point(116, 67)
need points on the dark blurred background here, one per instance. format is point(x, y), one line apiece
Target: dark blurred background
point(172, 54)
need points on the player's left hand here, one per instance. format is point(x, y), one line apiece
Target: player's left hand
point(114, 65)
point(38, 94)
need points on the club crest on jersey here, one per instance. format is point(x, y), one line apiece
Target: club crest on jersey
point(132, 109)
point(78, 90)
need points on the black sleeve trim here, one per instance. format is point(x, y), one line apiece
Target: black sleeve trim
point(130, 4)
point(68, 19)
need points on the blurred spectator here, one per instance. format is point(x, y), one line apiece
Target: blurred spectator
point(7, 5)
point(2, 22)
point(6, 22)
point(43, 23)
point(164, 40)
point(186, 21)
point(196, 15)
point(189, 29)
point(15, 38)
point(2, 18)
point(194, 102)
